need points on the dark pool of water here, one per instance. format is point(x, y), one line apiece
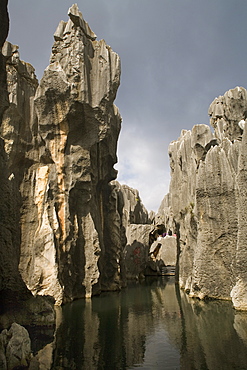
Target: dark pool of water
point(150, 325)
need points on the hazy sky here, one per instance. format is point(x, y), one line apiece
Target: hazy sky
point(176, 57)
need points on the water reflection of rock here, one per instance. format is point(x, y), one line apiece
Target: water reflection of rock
point(165, 305)
point(114, 329)
point(240, 325)
point(208, 338)
point(75, 336)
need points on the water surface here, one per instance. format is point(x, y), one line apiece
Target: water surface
point(150, 325)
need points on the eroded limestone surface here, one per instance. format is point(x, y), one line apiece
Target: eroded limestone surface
point(73, 154)
point(206, 202)
point(132, 226)
point(10, 279)
point(76, 227)
point(75, 231)
point(15, 348)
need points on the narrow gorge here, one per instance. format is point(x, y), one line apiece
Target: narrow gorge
point(68, 228)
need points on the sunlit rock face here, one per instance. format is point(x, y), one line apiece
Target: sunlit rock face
point(67, 140)
point(226, 112)
point(206, 203)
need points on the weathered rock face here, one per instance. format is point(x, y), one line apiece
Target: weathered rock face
point(4, 29)
point(226, 112)
point(239, 291)
point(10, 279)
point(60, 139)
point(135, 233)
point(75, 128)
point(207, 200)
point(137, 249)
point(4, 21)
point(15, 348)
point(4, 26)
point(130, 225)
point(17, 303)
point(185, 155)
point(168, 250)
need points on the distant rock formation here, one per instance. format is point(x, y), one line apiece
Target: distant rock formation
point(206, 205)
point(135, 227)
point(226, 112)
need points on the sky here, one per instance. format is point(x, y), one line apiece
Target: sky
point(176, 57)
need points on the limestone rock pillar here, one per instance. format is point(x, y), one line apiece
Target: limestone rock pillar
point(63, 213)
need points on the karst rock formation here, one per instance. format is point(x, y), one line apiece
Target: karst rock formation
point(65, 220)
point(10, 278)
point(206, 204)
point(68, 229)
point(63, 146)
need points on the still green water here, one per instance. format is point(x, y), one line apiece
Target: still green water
point(150, 325)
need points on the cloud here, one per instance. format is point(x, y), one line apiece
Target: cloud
point(142, 166)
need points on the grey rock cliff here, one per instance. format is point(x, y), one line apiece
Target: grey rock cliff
point(226, 112)
point(4, 22)
point(239, 291)
point(10, 279)
point(15, 348)
point(73, 225)
point(17, 90)
point(74, 136)
point(206, 202)
point(4, 29)
point(67, 229)
point(130, 225)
